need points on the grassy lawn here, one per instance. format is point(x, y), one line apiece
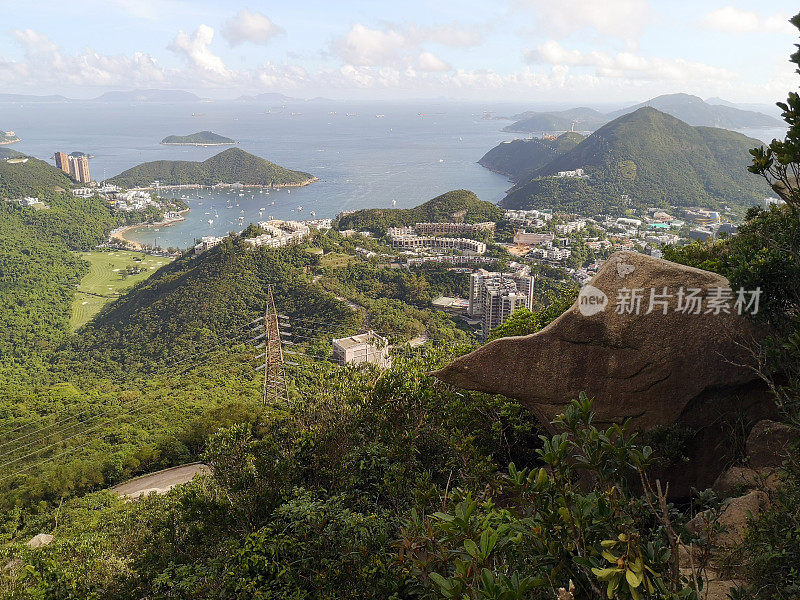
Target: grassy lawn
point(106, 280)
point(336, 260)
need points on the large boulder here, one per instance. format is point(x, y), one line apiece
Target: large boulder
point(769, 444)
point(656, 366)
point(643, 367)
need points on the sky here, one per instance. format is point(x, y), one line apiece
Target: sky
point(588, 51)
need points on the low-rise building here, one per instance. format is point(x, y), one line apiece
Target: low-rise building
point(573, 173)
point(362, 348)
point(532, 239)
point(571, 227)
point(454, 228)
point(280, 233)
point(83, 192)
point(207, 242)
point(403, 240)
point(455, 306)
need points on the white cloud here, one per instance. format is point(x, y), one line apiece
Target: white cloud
point(446, 35)
point(431, 63)
point(400, 46)
point(45, 64)
point(248, 26)
point(627, 65)
point(363, 46)
point(730, 19)
point(624, 19)
point(195, 49)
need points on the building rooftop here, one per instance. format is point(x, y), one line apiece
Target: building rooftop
point(357, 340)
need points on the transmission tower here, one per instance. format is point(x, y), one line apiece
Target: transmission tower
point(275, 387)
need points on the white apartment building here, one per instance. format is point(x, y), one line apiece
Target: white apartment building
point(575, 173)
point(528, 218)
point(571, 227)
point(494, 296)
point(280, 233)
point(362, 348)
point(453, 228)
point(206, 242)
point(404, 238)
point(83, 192)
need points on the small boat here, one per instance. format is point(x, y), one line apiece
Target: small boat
point(300, 208)
point(313, 214)
point(272, 203)
point(211, 221)
point(394, 202)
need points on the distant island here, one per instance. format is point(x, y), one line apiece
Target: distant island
point(201, 138)
point(8, 137)
point(168, 96)
point(229, 167)
point(689, 109)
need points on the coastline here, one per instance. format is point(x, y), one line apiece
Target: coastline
point(119, 233)
point(199, 143)
point(200, 186)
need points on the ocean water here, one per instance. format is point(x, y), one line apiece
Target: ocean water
point(406, 156)
point(409, 154)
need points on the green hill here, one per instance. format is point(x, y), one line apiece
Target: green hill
point(31, 178)
point(516, 158)
point(655, 159)
point(695, 111)
point(229, 166)
point(194, 302)
point(9, 153)
point(201, 138)
point(690, 109)
point(447, 207)
point(583, 119)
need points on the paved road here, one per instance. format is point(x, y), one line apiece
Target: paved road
point(160, 482)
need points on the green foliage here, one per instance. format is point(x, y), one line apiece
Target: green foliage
point(779, 162)
point(525, 322)
point(32, 178)
point(575, 519)
point(769, 558)
point(227, 286)
point(441, 208)
point(676, 164)
point(229, 166)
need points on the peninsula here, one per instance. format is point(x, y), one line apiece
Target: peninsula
point(229, 167)
point(8, 137)
point(201, 138)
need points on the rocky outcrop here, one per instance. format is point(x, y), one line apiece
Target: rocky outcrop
point(647, 367)
point(638, 344)
point(769, 444)
point(40, 540)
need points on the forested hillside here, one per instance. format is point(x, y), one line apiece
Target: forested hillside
point(458, 205)
point(31, 178)
point(654, 159)
point(230, 166)
point(517, 158)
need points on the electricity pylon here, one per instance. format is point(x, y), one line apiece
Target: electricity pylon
point(275, 387)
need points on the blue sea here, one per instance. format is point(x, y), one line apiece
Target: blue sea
point(365, 155)
point(377, 155)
